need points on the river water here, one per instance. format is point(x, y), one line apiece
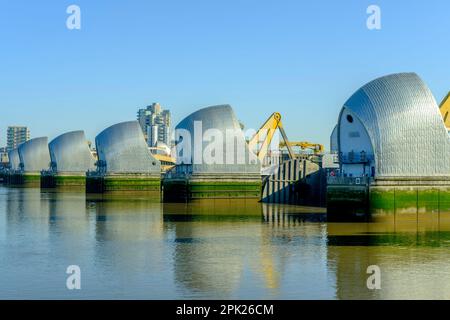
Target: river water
point(134, 247)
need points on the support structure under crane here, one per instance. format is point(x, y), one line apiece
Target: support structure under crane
point(297, 180)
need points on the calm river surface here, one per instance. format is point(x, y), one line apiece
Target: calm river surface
point(134, 248)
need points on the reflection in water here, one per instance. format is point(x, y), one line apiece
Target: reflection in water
point(66, 213)
point(207, 258)
point(219, 243)
point(411, 250)
point(129, 245)
point(133, 246)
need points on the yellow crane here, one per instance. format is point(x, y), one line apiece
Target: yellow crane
point(265, 135)
point(445, 110)
point(316, 147)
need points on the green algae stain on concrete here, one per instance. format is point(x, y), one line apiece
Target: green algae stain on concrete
point(184, 190)
point(428, 200)
point(70, 180)
point(55, 181)
point(131, 184)
point(444, 200)
point(23, 180)
point(114, 183)
point(351, 200)
point(409, 199)
point(382, 200)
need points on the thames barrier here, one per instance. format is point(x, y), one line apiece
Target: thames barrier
point(34, 157)
point(389, 151)
point(393, 148)
point(70, 158)
point(231, 174)
point(124, 161)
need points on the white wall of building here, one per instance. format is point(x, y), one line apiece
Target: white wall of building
point(354, 139)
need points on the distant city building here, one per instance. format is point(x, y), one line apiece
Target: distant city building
point(155, 124)
point(15, 136)
point(3, 157)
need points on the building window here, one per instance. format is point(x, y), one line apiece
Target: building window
point(349, 118)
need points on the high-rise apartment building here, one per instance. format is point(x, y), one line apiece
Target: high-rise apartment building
point(15, 135)
point(155, 123)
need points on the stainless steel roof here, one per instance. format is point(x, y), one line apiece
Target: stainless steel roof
point(220, 118)
point(14, 159)
point(403, 121)
point(34, 155)
point(123, 149)
point(70, 152)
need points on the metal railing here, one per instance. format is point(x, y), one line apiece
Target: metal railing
point(363, 181)
point(355, 157)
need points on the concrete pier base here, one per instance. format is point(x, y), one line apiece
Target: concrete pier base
point(97, 183)
point(22, 179)
point(212, 186)
point(347, 202)
point(387, 196)
point(54, 180)
point(3, 177)
point(422, 195)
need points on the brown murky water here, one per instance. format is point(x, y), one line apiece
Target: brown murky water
point(132, 247)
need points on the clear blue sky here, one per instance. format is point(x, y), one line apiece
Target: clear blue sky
point(301, 58)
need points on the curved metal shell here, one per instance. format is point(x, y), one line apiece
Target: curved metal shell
point(14, 159)
point(70, 152)
point(122, 149)
point(334, 140)
point(218, 120)
point(34, 155)
point(403, 122)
